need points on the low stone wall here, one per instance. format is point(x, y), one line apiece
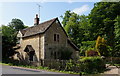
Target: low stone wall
point(112, 60)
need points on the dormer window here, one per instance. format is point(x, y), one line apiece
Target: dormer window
point(56, 37)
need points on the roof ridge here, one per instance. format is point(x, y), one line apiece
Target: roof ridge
point(48, 20)
point(40, 23)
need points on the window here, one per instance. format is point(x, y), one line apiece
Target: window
point(56, 37)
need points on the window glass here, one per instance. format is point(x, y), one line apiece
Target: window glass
point(56, 37)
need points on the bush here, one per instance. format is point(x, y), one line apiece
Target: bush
point(86, 65)
point(70, 65)
point(92, 64)
point(66, 53)
point(92, 52)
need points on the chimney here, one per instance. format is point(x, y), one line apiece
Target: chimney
point(36, 20)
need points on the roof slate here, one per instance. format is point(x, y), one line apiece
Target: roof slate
point(41, 28)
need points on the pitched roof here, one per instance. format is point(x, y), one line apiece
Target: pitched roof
point(73, 45)
point(29, 48)
point(41, 28)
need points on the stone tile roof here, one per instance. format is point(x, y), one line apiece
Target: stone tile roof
point(73, 45)
point(29, 48)
point(41, 28)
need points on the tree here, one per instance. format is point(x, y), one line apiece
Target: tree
point(101, 20)
point(74, 30)
point(8, 40)
point(16, 24)
point(66, 17)
point(9, 37)
point(76, 27)
point(117, 36)
point(102, 47)
point(98, 41)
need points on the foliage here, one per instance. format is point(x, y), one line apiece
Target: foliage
point(73, 30)
point(76, 27)
point(65, 53)
point(85, 45)
point(9, 37)
point(101, 46)
point(16, 24)
point(8, 40)
point(101, 20)
point(66, 17)
point(86, 65)
point(69, 65)
point(117, 36)
point(92, 64)
point(92, 52)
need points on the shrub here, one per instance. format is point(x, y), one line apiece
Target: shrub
point(65, 53)
point(69, 65)
point(102, 47)
point(92, 64)
point(92, 52)
point(86, 65)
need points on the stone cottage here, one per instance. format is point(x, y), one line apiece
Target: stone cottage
point(44, 41)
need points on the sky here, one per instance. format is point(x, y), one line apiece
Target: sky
point(26, 11)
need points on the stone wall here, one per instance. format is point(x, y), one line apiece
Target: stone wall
point(19, 36)
point(54, 46)
point(75, 54)
point(34, 41)
point(50, 44)
point(42, 46)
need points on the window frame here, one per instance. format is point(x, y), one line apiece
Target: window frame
point(56, 37)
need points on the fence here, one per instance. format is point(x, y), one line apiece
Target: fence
point(55, 64)
point(68, 65)
point(112, 60)
point(75, 65)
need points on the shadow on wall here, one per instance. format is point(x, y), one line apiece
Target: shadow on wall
point(24, 60)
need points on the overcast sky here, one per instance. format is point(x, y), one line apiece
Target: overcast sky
point(26, 11)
